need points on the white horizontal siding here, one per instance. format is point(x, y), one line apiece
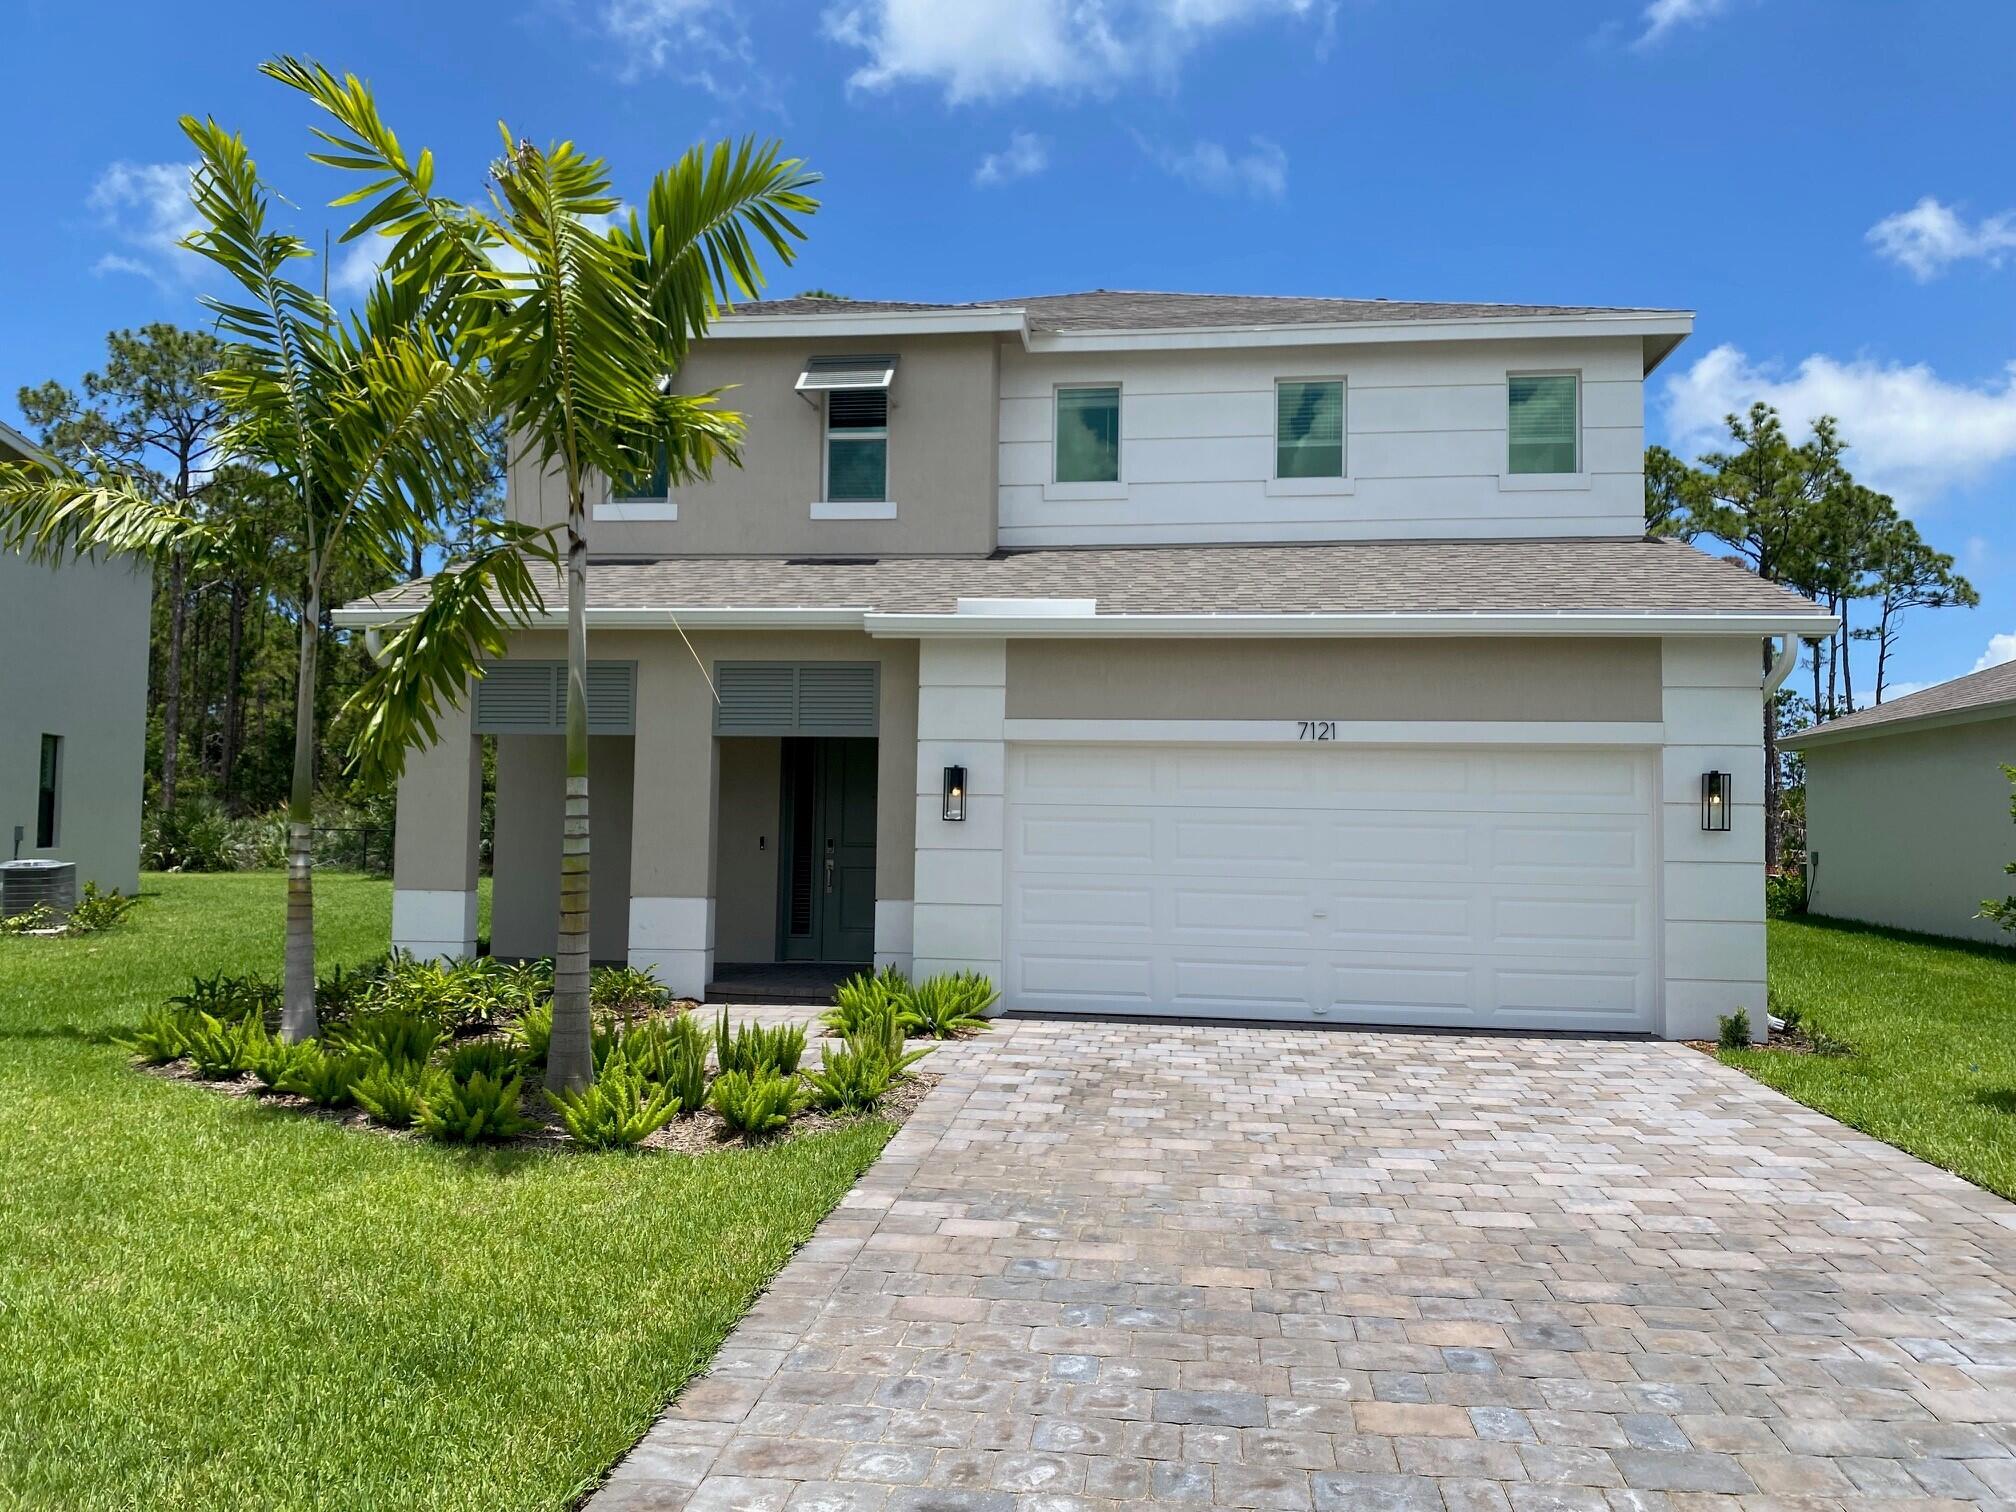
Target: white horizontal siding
point(1425, 445)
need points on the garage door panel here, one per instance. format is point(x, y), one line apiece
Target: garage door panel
point(1334, 882)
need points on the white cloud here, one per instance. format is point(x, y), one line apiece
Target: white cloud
point(991, 49)
point(1911, 433)
point(146, 207)
point(1261, 171)
point(1896, 690)
point(695, 41)
point(1025, 155)
point(1662, 16)
point(1930, 237)
point(357, 265)
point(2001, 649)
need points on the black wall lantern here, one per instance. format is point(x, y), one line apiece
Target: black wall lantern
point(955, 793)
point(1715, 799)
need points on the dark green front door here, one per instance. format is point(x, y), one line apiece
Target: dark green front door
point(826, 895)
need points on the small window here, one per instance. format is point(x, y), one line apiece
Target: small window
point(857, 446)
point(656, 484)
point(1309, 428)
point(1544, 423)
point(1088, 434)
point(46, 791)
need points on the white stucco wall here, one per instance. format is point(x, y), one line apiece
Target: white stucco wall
point(73, 663)
point(1912, 828)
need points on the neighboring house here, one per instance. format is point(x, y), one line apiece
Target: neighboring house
point(1292, 658)
point(73, 708)
point(1907, 808)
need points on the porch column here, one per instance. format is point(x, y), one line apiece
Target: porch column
point(962, 695)
point(672, 825)
point(1712, 883)
point(434, 850)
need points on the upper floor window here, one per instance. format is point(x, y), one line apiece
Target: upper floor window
point(46, 791)
point(1544, 423)
point(1309, 428)
point(655, 484)
point(1088, 434)
point(857, 445)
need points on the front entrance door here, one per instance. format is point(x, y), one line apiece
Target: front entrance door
point(826, 895)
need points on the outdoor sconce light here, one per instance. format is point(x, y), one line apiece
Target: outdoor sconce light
point(1715, 801)
point(955, 793)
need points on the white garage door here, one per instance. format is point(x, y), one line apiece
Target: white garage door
point(1472, 887)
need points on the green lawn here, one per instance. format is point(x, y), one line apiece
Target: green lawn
point(208, 1304)
point(1933, 1026)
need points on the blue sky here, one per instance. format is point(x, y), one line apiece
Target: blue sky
point(1830, 184)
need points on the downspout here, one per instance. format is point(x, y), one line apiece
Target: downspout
point(1788, 658)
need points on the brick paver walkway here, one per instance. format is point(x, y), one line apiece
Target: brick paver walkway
point(1257, 1268)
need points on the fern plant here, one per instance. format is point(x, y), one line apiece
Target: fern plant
point(620, 1108)
point(944, 1007)
point(757, 1104)
point(342, 992)
point(751, 1049)
point(221, 1051)
point(230, 998)
point(856, 1078)
point(395, 1092)
point(328, 1078)
point(470, 1112)
point(533, 1032)
point(161, 1036)
point(397, 1036)
point(863, 994)
point(492, 1058)
point(276, 1062)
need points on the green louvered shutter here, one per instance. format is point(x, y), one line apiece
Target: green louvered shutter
point(795, 698)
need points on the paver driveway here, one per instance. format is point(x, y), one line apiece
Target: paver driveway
point(1271, 1268)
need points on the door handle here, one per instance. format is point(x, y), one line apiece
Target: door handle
point(829, 874)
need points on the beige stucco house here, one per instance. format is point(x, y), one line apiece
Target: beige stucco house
point(1172, 655)
point(1907, 808)
point(73, 708)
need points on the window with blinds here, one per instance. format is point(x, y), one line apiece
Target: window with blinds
point(1309, 428)
point(857, 446)
point(653, 485)
point(1088, 434)
point(1544, 423)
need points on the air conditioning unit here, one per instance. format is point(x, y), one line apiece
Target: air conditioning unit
point(23, 884)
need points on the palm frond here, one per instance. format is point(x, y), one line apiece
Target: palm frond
point(50, 515)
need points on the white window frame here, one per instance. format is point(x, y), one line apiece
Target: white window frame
point(827, 508)
point(1279, 487)
point(1512, 482)
point(634, 508)
point(1118, 488)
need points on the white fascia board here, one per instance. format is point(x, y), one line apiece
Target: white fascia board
point(1676, 323)
point(868, 323)
point(12, 440)
point(762, 617)
point(1286, 626)
point(1909, 724)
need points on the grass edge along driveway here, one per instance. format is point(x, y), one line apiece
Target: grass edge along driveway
point(1932, 1023)
point(207, 1304)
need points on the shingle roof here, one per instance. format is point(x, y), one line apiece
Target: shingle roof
point(1991, 688)
point(1138, 310)
point(1426, 577)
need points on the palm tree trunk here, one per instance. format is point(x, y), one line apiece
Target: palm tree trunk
point(297, 1011)
point(171, 681)
point(570, 1059)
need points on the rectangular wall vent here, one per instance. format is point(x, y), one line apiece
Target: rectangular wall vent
point(530, 698)
point(796, 698)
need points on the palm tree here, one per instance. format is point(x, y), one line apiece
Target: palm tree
point(362, 426)
point(586, 314)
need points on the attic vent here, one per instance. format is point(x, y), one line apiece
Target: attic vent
point(530, 698)
point(830, 373)
point(796, 698)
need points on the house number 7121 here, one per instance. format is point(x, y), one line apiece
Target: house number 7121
point(1315, 729)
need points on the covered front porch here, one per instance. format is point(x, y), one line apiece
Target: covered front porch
point(752, 802)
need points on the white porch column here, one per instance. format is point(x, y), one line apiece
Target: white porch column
point(672, 825)
point(1712, 884)
point(434, 851)
point(962, 693)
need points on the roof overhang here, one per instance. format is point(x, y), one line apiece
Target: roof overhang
point(869, 323)
point(1910, 724)
point(12, 441)
point(1020, 622)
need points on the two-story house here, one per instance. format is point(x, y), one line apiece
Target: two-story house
point(1178, 655)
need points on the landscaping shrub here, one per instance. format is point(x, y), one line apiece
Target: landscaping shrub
point(858, 1077)
point(230, 998)
point(341, 993)
point(752, 1049)
point(620, 1108)
point(395, 1092)
point(1733, 1031)
point(463, 995)
point(864, 994)
point(481, 1108)
point(276, 1063)
point(397, 1036)
point(532, 1033)
point(626, 990)
point(492, 1058)
point(162, 1035)
point(95, 910)
point(757, 1104)
point(1784, 894)
point(945, 1006)
point(221, 1049)
point(328, 1079)
point(32, 920)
